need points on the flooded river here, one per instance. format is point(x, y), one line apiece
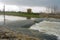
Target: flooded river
point(46, 25)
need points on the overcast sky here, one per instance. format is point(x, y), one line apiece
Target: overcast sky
point(32, 3)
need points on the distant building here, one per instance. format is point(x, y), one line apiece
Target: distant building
point(29, 10)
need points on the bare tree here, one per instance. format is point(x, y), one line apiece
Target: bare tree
point(55, 9)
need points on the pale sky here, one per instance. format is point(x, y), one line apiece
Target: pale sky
point(9, 7)
point(35, 5)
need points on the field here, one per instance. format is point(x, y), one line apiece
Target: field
point(33, 15)
point(23, 14)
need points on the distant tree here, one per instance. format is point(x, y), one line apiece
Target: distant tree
point(54, 9)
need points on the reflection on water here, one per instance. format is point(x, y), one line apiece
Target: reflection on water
point(11, 18)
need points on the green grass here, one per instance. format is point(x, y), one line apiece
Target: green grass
point(33, 15)
point(23, 14)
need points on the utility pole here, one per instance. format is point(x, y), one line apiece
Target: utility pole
point(4, 13)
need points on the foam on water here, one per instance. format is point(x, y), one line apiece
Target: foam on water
point(48, 27)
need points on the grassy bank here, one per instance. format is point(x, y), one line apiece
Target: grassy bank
point(33, 15)
point(22, 14)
